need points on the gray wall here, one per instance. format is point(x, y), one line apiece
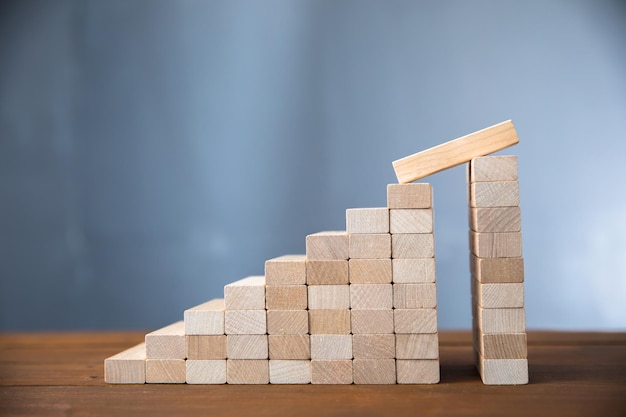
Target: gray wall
point(153, 151)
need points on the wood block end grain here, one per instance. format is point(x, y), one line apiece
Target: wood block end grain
point(126, 367)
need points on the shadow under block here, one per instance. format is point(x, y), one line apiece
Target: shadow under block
point(500, 320)
point(413, 271)
point(247, 346)
point(206, 371)
point(417, 346)
point(415, 295)
point(334, 272)
point(370, 246)
point(495, 219)
point(412, 246)
point(331, 346)
point(206, 318)
point(127, 367)
point(327, 245)
point(503, 346)
point(374, 346)
point(292, 346)
point(205, 347)
point(331, 371)
point(494, 194)
point(286, 270)
point(497, 270)
point(409, 196)
point(496, 245)
point(286, 297)
point(370, 271)
point(245, 322)
point(329, 321)
point(329, 297)
point(374, 371)
point(245, 294)
point(372, 321)
point(417, 371)
point(287, 322)
point(165, 371)
point(290, 371)
point(371, 296)
point(247, 371)
point(411, 220)
point(367, 220)
point(505, 295)
point(503, 371)
point(167, 342)
point(493, 168)
point(455, 152)
point(422, 320)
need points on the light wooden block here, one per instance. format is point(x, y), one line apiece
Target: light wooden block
point(496, 245)
point(245, 322)
point(329, 297)
point(290, 372)
point(497, 270)
point(413, 271)
point(247, 346)
point(503, 346)
point(246, 371)
point(245, 294)
point(417, 346)
point(371, 296)
point(289, 346)
point(370, 246)
point(206, 371)
point(503, 371)
point(506, 295)
point(493, 168)
point(455, 152)
point(372, 321)
point(422, 320)
point(495, 219)
point(329, 321)
point(500, 320)
point(417, 371)
point(411, 220)
point(167, 342)
point(331, 372)
point(331, 346)
point(334, 272)
point(206, 318)
point(327, 245)
point(415, 295)
point(370, 271)
point(126, 367)
point(165, 371)
point(203, 347)
point(494, 194)
point(374, 346)
point(367, 220)
point(374, 371)
point(287, 322)
point(409, 196)
point(286, 297)
point(286, 270)
point(412, 246)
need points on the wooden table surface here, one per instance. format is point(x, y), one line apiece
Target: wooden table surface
point(61, 374)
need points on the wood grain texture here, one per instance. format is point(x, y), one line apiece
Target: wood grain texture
point(418, 371)
point(331, 346)
point(289, 346)
point(372, 321)
point(493, 168)
point(374, 371)
point(335, 272)
point(411, 220)
point(245, 294)
point(409, 196)
point(497, 270)
point(245, 322)
point(286, 270)
point(374, 346)
point(205, 347)
point(205, 371)
point(126, 367)
point(496, 245)
point(331, 372)
point(412, 246)
point(247, 346)
point(286, 297)
point(371, 296)
point(167, 342)
point(165, 371)
point(370, 246)
point(370, 271)
point(417, 346)
point(367, 220)
point(329, 321)
point(503, 346)
point(247, 372)
point(494, 194)
point(287, 322)
point(415, 320)
point(290, 372)
point(495, 219)
point(327, 245)
point(423, 295)
point(206, 318)
point(500, 320)
point(329, 297)
point(503, 371)
point(413, 271)
point(506, 295)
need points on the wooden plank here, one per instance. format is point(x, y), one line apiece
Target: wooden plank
point(331, 346)
point(417, 346)
point(247, 346)
point(422, 320)
point(413, 271)
point(290, 372)
point(331, 371)
point(494, 194)
point(370, 246)
point(409, 196)
point(374, 371)
point(245, 294)
point(495, 219)
point(287, 322)
point(329, 297)
point(286, 297)
point(371, 296)
point(493, 168)
point(374, 346)
point(289, 346)
point(422, 295)
point(167, 342)
point(370, 271)
point(411, 220)
point(335, 272)
point(417, 371)
point(329, 321)
point(496, 245)
point(286, 270)
point(165, 371)
point(503, 346)
point(206, 318)
point(500, 320)
point(126, 367)
point(247, 371)
point(455, 152)
point(372, 321)
point(503, 371)
point(205, 371)
point(412, 246)
point(245, 322)
point(327, 245)
point(367, 220)
point(203, 347)
point(506, 295)
point(497, 270)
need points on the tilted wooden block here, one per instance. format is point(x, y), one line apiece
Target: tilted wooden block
point(206, 371)
point(493, 168)
point(127, 367)
point(455, 152)
point(290, 372)
point(506, 295)
point(370, 246)
point(203, 347)
point(247, 346)
point(409, 196)
point(286, 297)
point(167, 342)
point(422, 320)
point(329, 321)
point(245, 322)
point(374, 371)
point(371, 296)
point(417, 346)
point(500, 320)
point(497, 270)
point(374, 346)
point(503, 371)
point(411, 220)
point(327, 245)
point(287, 322)
point(367, 220)
point(331, 371)
point(496, 245)
point(412, 245)
point(331, 346)
point(165, 371)
point(417, 371)
point(329, 297)
point(333, 272)
point(415, 295)
point(206, 318)
point(372, 321)
point(413, 271)
point(245, 294)
point(494, 194)
point(286, 270)
point(370, 271)
point(247, 371)
point(289, 346)
point(495, 219)
point(503, 346)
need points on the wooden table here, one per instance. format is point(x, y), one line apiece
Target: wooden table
point(571, 374)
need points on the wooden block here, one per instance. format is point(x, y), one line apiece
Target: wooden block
point(245, 294)
point(289, 346)
point(246, 371)
point(247, 346)
point(286, 270)
point(367, 220)
point(286, 297)
point(287, 321)
point(332, 372)
point(422, 320)
point(331, 346)
point(503, 346)
point(203, 347)
point(327, 245)
point(503, 371)
point(409, 196)
point(372, 321)
point(370, 246)
point(290, 372)
point(245, 322)
point(374, 346)
point(127, 367)
point(493, 168)
point(497, 270)
point(374, 371)
point(412, 246)
point(206, 318)
point(415, 295)
point(165, 371)
point(417, 346)
point(329, 321)
point(370, 271)
point(494, 194)
point(206, 371)
point(411, 220)
point(495, 219)
point(455, 152)
point(327, 272)
point(507, 295)
point(167, 342)
point(413, 271)
point(417, 371)
point(500, 320)
point(496, 245)
point(329, 297)
point(371, 296)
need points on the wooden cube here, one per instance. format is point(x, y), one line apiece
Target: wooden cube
point(286, 297)
point(331, 346)
point(290, 371)
point(329, 297)
point(327, 245)
point(247, 346)
point(493, 168)
point(127, 367)
point(494, 194)
point(370, 271)
point(503, 346)
point(165, 371)
point(245, 322)
point(287, 322)
point(167, 342)
point(371, 296)
point(374, 346)
point(503, 371)
point(422, 320)
point(506, 295)
point(331, 371)
point(411, 221)
point(245, 294)
point(417, 346)
point(367, 220)
point(413, 271)
point(497, 270)
point(205, 371)
point(370, 246)
point(245, 371)
point(415, 295)
point(327, 272)
point(496, 245)
point(374, 371)
point(206, 318)
point(417, 371)
point(495, 219)
point(286, 270)
point(329, 321)
point(206, 347)
point(289, 346)
point(372, 321)
point(500, 320)
point(409, 196)
point(413, 245)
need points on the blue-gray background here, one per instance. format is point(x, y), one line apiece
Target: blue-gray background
point(153, 151)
